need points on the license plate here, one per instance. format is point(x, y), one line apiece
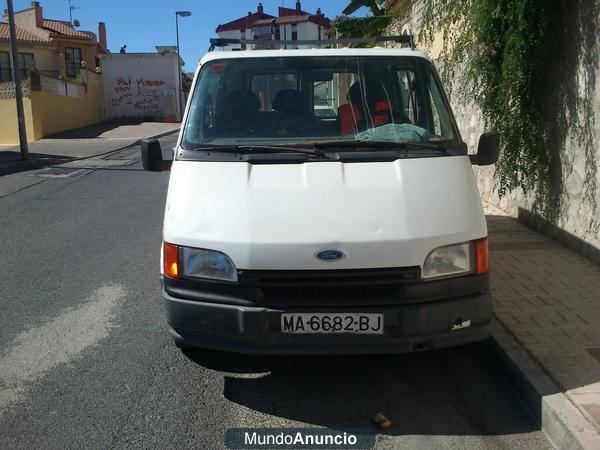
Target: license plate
point(331, 323)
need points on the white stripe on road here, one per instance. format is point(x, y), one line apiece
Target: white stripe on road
point(37, 350)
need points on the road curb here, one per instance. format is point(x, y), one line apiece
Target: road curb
point(40, 163)
point(560, 420)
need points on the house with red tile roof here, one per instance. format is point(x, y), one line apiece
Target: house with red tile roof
point(59, 91)
point(53, 47)
point(291, 24)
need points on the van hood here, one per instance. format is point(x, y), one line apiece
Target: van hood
point(279, 216)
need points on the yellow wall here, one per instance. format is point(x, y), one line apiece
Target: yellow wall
point(47, 114)
point(9, 129)
point(436, 47)
point(55, 113)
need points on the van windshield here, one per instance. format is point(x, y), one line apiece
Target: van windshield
point(315, 100)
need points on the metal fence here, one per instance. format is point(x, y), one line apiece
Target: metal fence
point(44, 83)
point(59, 86)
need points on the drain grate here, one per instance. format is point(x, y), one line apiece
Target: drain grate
point(60, 172)
point(94, 163)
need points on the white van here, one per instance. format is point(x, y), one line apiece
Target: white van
point(288, 230)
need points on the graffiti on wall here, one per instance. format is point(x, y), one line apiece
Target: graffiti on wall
point(141, 93)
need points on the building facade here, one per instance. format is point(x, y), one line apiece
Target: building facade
point(142, 86)
point(61, 85)
point(53, 47)
point(291, 24)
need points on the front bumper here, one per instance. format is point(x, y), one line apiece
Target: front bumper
point(256, 329)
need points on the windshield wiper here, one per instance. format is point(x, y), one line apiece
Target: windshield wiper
point(358, 145)
point(278, 149)
point(256, 149)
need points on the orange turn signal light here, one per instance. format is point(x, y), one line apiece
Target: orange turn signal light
point(171, 260)
point(482, 256)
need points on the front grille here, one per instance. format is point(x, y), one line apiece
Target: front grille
point(329, 283)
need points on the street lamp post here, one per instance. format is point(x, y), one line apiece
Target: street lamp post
point(16, 76)
point(179, 87)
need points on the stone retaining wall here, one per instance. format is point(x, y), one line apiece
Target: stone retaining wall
point(578, 143)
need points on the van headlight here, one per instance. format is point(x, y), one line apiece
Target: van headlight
point(208, 264)
point(448, 261)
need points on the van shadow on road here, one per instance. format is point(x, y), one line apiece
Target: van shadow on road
point(446, 392)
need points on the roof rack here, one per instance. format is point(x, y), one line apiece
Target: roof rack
point(403, 39)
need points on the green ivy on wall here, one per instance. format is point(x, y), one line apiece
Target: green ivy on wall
point(506, 51)
point(363, 26)
point(530, 67)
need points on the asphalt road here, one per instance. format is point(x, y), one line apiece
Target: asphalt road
point(86, 361)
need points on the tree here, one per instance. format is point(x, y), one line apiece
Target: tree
point(529, 66)
point(368, 26)
point(376, 6)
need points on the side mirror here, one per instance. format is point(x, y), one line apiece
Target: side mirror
point(488, 150)
point(152, 159)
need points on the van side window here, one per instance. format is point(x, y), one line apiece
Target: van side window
point(203, 110)
point(422, 102)
point(442, 120)
point(408, 95)
point(437, 123)
point(267, 85)
point(211, 102)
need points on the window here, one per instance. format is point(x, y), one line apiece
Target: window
point(73, 60)
point(5, 67)
point(267, 86)
point(284, 100)
point(262, 32)
point(277, 33)
point(243, 36)
point(25, 64)
point(324, 99)
point(294, 32)
point(320, 33)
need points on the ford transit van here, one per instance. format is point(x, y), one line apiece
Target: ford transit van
point(323, 201)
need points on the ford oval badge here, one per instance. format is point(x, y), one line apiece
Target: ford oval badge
point(329, 255)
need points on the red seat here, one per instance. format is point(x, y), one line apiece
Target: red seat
point(382, 114)
point(349, 116)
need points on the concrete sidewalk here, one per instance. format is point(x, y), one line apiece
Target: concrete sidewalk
point(547, 305)
point(81, 143)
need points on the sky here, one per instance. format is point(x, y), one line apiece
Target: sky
point(143, 24)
